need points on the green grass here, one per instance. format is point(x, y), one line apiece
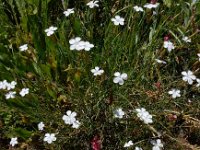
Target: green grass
point(60, 79)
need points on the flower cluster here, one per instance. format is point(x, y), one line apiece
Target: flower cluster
point(70, 119)
point(78, 44)
point(148, 5)
point(141, 113)
point(151, 5)
point(119, 78)
point(188, 77)
point(48, 137)
point(5, 85)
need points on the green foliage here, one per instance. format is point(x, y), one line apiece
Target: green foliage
point(60, 79)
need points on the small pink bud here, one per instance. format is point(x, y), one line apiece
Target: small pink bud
point(166, 38)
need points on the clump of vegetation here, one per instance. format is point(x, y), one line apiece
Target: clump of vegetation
point(99, 74)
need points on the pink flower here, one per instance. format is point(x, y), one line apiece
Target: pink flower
point(96, 143)
point(166, 38)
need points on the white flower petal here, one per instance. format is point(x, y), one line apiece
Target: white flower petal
point(116, 80)
point(124, 76)
point(117, 74)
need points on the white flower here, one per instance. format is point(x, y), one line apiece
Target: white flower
point(13, 141)
point(88, 46)
point(118, 20)
point(93, 4)
point(157, 145)
point(144, 115)
point(41, 126)
point(97, 71)
point(11, 94)
point(24, 91)
point(70, 117)
point(80, 46)
point(186, 39)
point(137, 8)
point(11, 85)
point(71, 120)
point(68, 12)
point(188, 76)
point(150, 6)
point(23, 47)
point(119, 113)
point(76, 124)
point(198, 56)
point(3, 84)
point(160, 61)
point(119, 78)
point(76, 44)
point(138, 148)
point(128, 144)
point(169, 45)
point(175, 93)
point(50, 30)
point(49, 138)
point(198, 82)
